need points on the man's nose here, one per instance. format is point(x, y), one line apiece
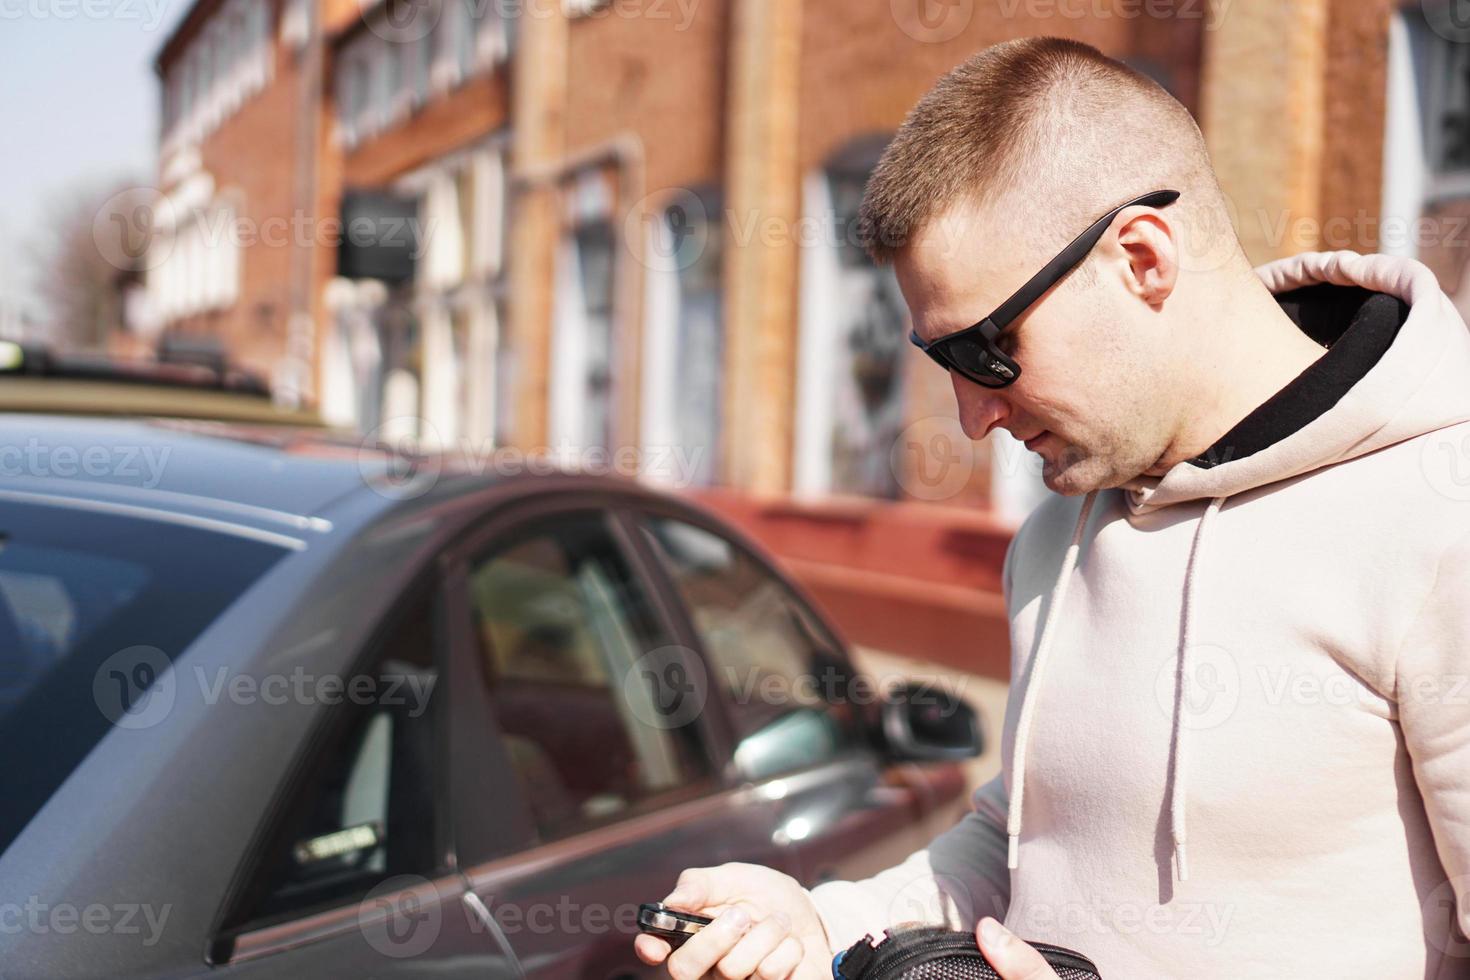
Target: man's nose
point(981, 409)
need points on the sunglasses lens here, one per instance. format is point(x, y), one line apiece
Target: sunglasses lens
point(973, 359)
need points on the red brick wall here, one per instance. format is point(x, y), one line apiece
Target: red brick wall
point(253, 153)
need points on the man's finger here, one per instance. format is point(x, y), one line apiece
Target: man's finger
point(711, 944)
point(1012, 959)
point(651, 949)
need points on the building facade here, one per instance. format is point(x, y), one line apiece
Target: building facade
point(625, 232)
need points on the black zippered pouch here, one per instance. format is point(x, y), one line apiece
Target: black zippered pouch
point(936, 953)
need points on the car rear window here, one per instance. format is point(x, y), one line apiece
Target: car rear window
point(93, 608)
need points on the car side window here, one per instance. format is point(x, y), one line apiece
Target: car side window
point(367, 809)
point(564, 630)
point(790, 688)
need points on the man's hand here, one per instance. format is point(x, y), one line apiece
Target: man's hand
point(765, 926)
point(1012, 959)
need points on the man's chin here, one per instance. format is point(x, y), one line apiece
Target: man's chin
point(1074, 474)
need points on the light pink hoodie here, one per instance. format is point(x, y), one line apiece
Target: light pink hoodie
point(1239, 744)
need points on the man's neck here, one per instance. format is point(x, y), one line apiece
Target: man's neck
point(1256, 354)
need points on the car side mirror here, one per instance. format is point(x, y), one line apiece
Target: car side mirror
point(922, 723)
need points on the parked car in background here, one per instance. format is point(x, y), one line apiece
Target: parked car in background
point(195, 381)
point(275, 704)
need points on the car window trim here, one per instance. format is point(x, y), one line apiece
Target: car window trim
point(325, 732)
point(320, 924)
point(718, 724)
point(501, 872)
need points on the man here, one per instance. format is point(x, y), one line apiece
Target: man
point(1240, 741)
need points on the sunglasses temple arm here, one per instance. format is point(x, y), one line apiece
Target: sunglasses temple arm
point(1068, 257)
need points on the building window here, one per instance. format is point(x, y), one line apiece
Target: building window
point(202, 265)
point(853, 322)
point(506, 372)
point(419, 54)
point(683, 347)
point(1426, 145)
point(583, 322)
point(464, 36)
point(218, 71)
point(594, 247)
point(451, 368)
point(1445, 81)
point(413, 51)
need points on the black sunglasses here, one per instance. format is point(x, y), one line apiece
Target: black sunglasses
point(972, 351)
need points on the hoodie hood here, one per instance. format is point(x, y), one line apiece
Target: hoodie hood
point(1413, 389)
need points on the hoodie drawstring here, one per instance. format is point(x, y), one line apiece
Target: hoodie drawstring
point(1177, 795)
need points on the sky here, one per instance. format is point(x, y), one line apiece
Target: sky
point(78, 107)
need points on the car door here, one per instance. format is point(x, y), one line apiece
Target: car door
point(356, 876)
point(804, 721)
point(589, 734)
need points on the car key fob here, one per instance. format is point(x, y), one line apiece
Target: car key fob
point(671, 925)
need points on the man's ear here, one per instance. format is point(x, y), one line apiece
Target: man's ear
point(1151, 249)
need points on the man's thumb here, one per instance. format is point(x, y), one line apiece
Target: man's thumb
point(1012, 959)
point(693, 891)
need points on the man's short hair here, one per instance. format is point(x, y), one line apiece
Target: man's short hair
point(1045, 123)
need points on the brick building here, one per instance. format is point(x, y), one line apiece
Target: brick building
point(234, 256)
point(632, 229)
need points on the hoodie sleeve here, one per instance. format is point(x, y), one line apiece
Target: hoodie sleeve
point(1432, 686)
point(958, 878)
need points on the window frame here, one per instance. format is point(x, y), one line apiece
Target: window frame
point(267, 935)
point(480, 841)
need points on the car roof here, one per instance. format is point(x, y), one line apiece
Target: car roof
point(257, 474)
point(269, 477)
